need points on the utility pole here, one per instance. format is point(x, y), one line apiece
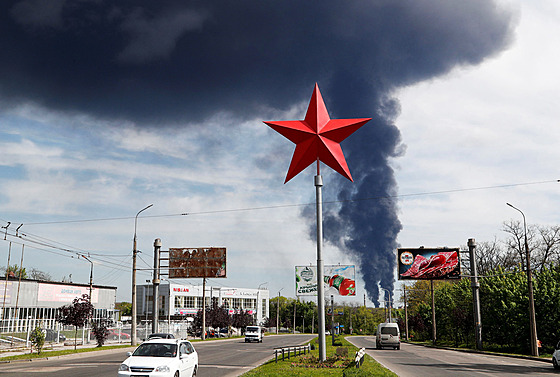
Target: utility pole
point(134, 308)
point(278, 310)
point(155, 281)
point(475, 285)
point(295, 302)
point(204, 308)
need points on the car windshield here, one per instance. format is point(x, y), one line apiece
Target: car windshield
point(389, 330)
point(252, 328)
point(156, 350)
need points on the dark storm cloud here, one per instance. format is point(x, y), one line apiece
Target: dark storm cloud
point(163, 62)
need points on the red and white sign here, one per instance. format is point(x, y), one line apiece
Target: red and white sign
point(180, 289)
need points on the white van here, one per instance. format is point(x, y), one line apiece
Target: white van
point(388, 335)
point(253, 334)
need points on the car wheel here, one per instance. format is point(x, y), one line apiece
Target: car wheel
point(194, 371)
point(555, 363)
point(399, 347)
point(177, 374)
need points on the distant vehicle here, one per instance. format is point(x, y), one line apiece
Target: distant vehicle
point(161, 335)
point(54, 336)
point(388, 335)
point(556, 357)
point(253, 334)
point(114, 334)
point(162, 358)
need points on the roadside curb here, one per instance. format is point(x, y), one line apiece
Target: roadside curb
point(525, 357)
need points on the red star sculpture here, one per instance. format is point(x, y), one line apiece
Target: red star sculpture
point(318, 137)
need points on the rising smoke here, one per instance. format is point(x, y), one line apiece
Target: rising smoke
point(171, 62)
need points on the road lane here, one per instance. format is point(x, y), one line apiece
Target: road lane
point(217, 358)
point(418, 361)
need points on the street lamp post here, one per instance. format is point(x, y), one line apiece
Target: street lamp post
point(390, 304)
point(532, 319)
point(134, 252)
point(278, 310)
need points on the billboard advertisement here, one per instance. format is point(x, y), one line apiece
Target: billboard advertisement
point(200, 262)
point(339, 280)
point(428, 264)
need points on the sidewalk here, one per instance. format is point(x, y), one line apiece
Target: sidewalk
point(67, 345)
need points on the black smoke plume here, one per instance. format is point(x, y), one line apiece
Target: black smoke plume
point(169, 63)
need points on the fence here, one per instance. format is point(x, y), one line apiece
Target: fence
point(288, 350)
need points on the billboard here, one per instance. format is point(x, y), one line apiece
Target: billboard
point(200, 262)
point(339, 280)
point(428, 264)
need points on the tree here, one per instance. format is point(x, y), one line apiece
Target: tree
point(100, 331)
point(77, 314)
point(15, 271)
point(37, 338)
point(241, 320)
point(124, 307)
point(36, 274)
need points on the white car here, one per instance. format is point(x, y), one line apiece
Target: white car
point(161, 358)
point(556, 357)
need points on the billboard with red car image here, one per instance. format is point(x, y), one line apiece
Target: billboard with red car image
point(428, 264)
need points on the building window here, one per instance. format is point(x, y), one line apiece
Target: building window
point(179, 301)
point(249, 303)
point(199, 302)
point(264, 308)
point(189, 302)
point(236, 303)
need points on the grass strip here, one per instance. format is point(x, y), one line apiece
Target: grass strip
point(306, 365)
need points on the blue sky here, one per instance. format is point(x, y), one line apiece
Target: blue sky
point(163, 104)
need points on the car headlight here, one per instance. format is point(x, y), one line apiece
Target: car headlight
point(124, 368)
point(162, 368)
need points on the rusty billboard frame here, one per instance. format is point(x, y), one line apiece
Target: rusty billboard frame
point(197, 262)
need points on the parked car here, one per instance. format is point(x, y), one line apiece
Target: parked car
point(114, 334)
point(161, 335)
point(556, 357)
point(54, 336)
point(161, 358)
point(388, 335)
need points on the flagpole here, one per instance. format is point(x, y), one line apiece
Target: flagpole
point(320, 266)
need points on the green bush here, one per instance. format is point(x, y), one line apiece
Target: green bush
point(37, 338)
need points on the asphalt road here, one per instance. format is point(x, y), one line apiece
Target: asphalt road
point(418, 361)
point(217, 358)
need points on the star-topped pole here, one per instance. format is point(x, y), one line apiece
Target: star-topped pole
point(318, 137)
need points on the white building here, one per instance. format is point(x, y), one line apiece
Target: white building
point(180, 300)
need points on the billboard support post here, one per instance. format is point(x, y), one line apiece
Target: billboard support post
point(433, 312)
point(203, 309)
point(405, 313)
point(475, 285)
point(332, 319)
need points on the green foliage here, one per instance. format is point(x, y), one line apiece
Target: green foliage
point(124, 307)
point(15, 271)
point(355, 372)
point(37, 338)
point(100, 331)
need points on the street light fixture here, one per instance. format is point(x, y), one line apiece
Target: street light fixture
point(532, 319)
point(134, 252)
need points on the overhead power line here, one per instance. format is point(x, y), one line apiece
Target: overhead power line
point(381, 197)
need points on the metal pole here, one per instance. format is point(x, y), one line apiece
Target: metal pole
point(156, 281)
point(134, 252)
point(203, 308)
point(320, 267)
point(476, 294)
point(532, 319)
point(434, 337)
point(294, 329)
point(332, 319)
point(278, 310)
point(405, 313)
